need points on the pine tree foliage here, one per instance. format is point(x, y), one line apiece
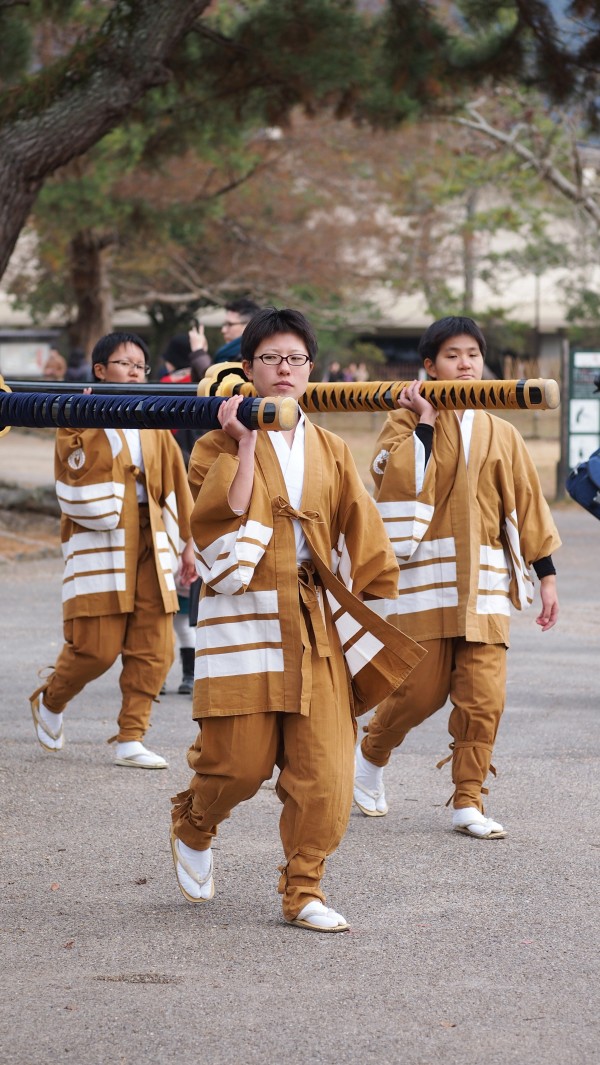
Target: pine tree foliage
point(551, 45)
point(146, 121)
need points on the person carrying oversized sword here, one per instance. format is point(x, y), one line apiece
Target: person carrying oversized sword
point(290, 548)
point(125, 508)
point(465, 513)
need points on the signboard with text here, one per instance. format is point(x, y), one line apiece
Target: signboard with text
point(584, 406)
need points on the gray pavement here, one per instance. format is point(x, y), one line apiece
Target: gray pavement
point(460, 952)
point(27, 457)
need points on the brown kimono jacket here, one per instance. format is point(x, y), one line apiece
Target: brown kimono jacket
point(464, 534)
point(249, 651)
point(96, 489)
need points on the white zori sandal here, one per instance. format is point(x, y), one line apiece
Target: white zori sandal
point(369, 794)
point(319, 918)
point(194, 886)
point(133, 753)
point(50, 737)
point(471, 822)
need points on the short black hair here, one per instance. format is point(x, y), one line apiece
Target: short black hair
point(271, 320)
point(440, 331)
point(77, 357)
point(107, 345)
point(178, 351)
point(245, 308)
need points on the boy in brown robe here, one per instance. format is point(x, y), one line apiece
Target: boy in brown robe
point(462, 503)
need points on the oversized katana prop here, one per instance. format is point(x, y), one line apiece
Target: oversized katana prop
point(56, 404)
point(177, 406)
point(443, 395)
point(535, 394)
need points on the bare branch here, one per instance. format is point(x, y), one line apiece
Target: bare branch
point(543, 166)
point(235, 182)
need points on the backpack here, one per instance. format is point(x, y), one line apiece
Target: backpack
point(583, 484)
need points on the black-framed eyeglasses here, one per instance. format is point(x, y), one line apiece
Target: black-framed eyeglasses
point(271, 359)
point(141, 367)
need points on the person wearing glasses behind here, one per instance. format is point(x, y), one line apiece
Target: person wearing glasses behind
point(125, 532)
point(288, 545)
point(237, 315)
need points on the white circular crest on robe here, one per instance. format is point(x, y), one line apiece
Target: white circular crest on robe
point(380, 461)
point(76, 459)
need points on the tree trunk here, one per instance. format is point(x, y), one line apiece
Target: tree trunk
point(91, 254)
point(469, 259)
point(65, 109)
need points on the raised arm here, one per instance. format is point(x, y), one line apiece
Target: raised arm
point(229, 542)
point(404, 472)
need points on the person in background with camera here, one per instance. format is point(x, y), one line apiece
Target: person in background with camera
point(237, 315)
point(186, 357)
point(466, 516)
point(125, 534)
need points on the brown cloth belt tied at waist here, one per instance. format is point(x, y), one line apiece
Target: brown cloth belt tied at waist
point(144, 508)
point(143, 515)
point(310, 587)
point(311, 592)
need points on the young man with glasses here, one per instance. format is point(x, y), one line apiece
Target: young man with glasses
point(288, 545)
point(186, 357)
point(125, 532)
point(237, 315)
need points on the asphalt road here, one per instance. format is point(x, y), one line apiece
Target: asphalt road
point(461, 951)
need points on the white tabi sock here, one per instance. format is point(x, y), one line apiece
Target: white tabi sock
point(126, 748)
point(199, 860)
point(53, 722)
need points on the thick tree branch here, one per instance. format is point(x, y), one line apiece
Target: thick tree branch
point(67, 108)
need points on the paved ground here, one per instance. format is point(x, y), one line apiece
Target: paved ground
point(27, 456)
point(461, 951)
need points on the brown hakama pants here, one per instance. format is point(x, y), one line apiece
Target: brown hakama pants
point(473, 676)
point(233, 756)
point(144, 639)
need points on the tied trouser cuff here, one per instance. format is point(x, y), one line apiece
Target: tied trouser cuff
point(190, 827)
point(41, 692)
point(477, 693)
point(471, 763)
point(300, 881)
